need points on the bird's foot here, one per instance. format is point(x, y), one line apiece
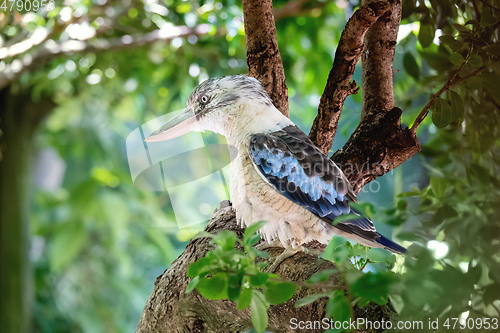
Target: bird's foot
point(287, 253)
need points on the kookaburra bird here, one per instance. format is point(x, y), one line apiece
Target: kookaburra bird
point(277, 175)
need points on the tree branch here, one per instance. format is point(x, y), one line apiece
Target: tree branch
point(379, 143)
point(378, 71)
point(38, 36)
point(452, 81)
point(263, 56)
point(51, 50)
point(170, 309)
point(339, 84)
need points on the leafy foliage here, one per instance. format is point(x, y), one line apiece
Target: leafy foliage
point(231, 273)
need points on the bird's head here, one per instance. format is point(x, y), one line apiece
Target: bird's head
point(219, 104)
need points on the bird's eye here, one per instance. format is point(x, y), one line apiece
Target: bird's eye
point(204, 99)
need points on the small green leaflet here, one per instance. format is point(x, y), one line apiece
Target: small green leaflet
point(214, 287)
point(426, 34)
point(252, 229)
point(457, 59)
point(278, 292)
point(411, 66)
point(441, 113)
point(258, 310)
point(245, 298)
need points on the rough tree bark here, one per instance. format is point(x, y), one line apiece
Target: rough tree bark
point(263, 56)
point(379, 143)
point(169, 309)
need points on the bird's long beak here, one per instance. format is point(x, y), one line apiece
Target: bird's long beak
point(175, 127)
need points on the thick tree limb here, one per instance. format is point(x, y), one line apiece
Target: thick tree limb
point(339, 84)
point(170, 309)
point(378, 71)
point(51, 49)
point(378, 144)
point(263, 56)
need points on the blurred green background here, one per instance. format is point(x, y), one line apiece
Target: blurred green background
point(97, 243)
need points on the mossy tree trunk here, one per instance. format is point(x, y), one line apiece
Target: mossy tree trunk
point(19, 119)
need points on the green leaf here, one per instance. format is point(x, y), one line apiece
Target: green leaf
point(252, 229)
point(196, 267)
point(462, 30)
point(234, 286)
point(475, 60)
point(373, 286)
point(214, 287)
point(457, 59)
point(258, 310)
point(362, 302)
point(439, 186)
point(338, 307)
point(278, 292)
point(226, 239)
point(365, 208)
point(426, 34)
point(192, 284)
point(338, 254)
point(252, 240)
point(487, 19)
point(402, 204)
point(259, 279)
point(244, 299)
point(309, 299)
point(411, 66)
point(441, 113)
point(442, 213)
point(437, 61)
point(457, 106)
point(454, 44)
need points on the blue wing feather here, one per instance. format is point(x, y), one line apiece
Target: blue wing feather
point(289, 177)
point(291, 172)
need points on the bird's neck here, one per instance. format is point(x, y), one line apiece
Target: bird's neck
point(261, 119)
